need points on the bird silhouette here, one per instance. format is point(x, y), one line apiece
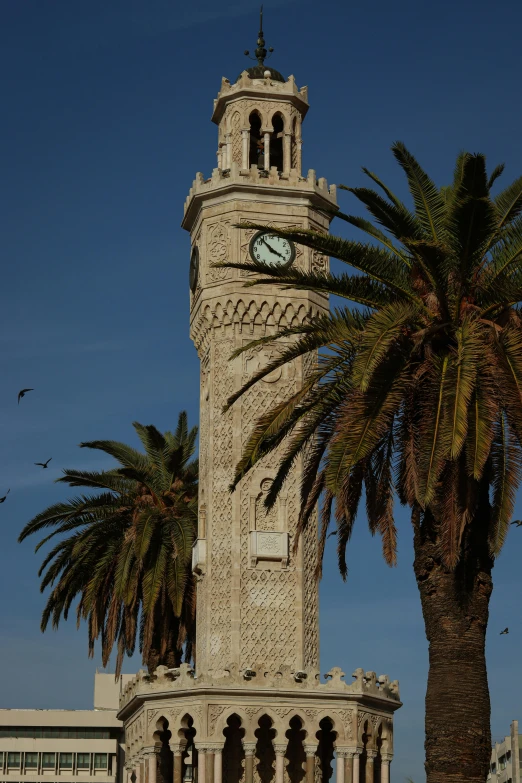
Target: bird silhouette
point(6, 494)
point(333, 533)
point(517, 522)
point(44, 464)
point(506, 630)
point(22, 393)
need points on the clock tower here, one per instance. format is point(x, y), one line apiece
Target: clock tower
point(256, 599)
point(254, 708)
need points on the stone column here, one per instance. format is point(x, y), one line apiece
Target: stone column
point(218, 765)
point(280, 750)
point(245, 138)
point(287, 153)
point(152, 767)
point(299, 145)
point(385, 767)
point(339, 766)
point(228, 154)
point(209, 761)
point(310, 751)
point(267, 151)
point(371, 755)
point(218, 155)
point(178, 765)
point(250, 749)
point(202, 764)
point(356, 765)
point(348, 767)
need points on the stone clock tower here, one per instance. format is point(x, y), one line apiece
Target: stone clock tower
point(255, 708)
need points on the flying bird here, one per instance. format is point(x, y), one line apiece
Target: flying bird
point(333, 533)
point(6, 494)
point(506, 630)
point(517, 522)
point(22, 393)
point(44, 464)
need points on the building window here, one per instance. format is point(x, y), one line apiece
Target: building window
point(31, 760)
point(83, 760)
point(48, 760)
point(100, 761)
point(13, 760)
point(56, 732)
point(65, 760)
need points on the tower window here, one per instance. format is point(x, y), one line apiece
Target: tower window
point(256, 157)
point(276, 142)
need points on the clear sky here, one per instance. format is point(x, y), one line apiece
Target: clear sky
point(106, 110)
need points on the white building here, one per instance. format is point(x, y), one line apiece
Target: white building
point(65, 745)
point(506, 758)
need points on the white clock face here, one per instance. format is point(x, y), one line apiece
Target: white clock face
point(271, 249)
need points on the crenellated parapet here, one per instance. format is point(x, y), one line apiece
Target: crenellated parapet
point(271, 182)
point(260, 90)
point(263, 678)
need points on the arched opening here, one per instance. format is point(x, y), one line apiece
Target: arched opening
point(265, 753)
point(165, 757)
point(233, 753)
point(189, 756)
point(364, 756)
point(295, 755)
point(325, 749)
point(276, 142)
point(256, 154)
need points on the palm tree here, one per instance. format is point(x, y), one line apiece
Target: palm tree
point(127, 550)
point(418, 394)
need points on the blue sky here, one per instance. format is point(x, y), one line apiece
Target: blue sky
point(106, 110)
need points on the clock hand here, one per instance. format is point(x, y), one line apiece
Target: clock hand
point(272, 249)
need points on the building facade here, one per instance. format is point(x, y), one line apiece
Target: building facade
point(65, 745)
point(506, 758)
point(256, 709)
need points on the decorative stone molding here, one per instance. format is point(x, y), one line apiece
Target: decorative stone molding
point(249, 748)
point(280, 748)
point(310, 750)
point(243, 314)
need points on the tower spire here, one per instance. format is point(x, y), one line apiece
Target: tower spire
point(260, 52)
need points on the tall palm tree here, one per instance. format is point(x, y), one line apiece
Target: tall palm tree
point(418, 394)
point(127, 550)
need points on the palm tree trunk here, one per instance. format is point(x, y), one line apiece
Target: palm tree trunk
point(455, 606)
point(164, 650)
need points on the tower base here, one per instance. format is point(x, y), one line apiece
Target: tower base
point(257, 726)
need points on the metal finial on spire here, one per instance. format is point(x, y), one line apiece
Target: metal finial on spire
point(260, 52)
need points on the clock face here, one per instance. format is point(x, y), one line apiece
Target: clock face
point(271, 249)
point(194, 270)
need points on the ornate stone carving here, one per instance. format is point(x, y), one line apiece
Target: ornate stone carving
point(235, 129)
point(347, 719)
point(218, 250)
point(214, 711)
point(265, 520)
point(319, 261)
point(282, 711)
